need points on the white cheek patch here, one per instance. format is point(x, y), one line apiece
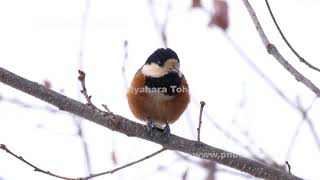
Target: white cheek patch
point(153, 70)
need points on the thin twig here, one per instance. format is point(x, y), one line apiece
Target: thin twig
point(289, 167)
point(281, 94)
point(251, 142)
point(130, 128)
point(18, 102)
point(78, 121)
point(246, 147)
point(124, 63)
point(294, 137)
point(122, 167)
point(202, 104)
point(82, 79)
point(269, 81)
point(184, 176)
point(287, 42)
point(305, 118)
point(234, 139)
point(3, 147)
point(256, 69)
point(160, 27)
point(106, 108)
point(304, 113)
point(275, 53)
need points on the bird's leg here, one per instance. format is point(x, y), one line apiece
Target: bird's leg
point(150, 124)
point(166, 130)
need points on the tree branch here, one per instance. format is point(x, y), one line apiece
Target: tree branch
point(275, 53)
point(124, 166)
point(81, 78)
point(133, 129)
point(287, 42)
point(202, 104)
point(3, 147)
point(289, 167)
point(281, 94)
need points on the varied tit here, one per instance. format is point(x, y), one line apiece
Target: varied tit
point(159, 93)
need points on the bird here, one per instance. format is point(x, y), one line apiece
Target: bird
point(159, 92)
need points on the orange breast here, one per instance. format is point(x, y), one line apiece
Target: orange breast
point(156, 106)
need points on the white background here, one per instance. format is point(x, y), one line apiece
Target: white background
point(41, 40)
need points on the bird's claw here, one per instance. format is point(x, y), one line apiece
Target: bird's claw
point(151, 126)
point(166, 130)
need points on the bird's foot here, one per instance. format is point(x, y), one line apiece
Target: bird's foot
point(151, 126)
point(166, 130)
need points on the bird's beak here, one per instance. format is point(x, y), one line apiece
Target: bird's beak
point(177, 71)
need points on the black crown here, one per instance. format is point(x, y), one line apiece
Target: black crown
point(161, 55)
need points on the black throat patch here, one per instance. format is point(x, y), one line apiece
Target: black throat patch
point(167, 84)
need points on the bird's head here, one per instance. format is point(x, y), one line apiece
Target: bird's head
point(161, 62)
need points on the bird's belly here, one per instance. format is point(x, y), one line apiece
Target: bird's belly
point(156, 106)
point(159, 108)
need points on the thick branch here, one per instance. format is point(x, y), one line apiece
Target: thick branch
point(275, 53)
point(133, 129)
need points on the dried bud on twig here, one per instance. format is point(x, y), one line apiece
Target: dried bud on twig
point(220, 17)
point(196, 3)
point(47, 83)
